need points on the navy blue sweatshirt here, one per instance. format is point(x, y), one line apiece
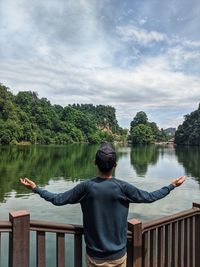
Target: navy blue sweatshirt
point(105, 204)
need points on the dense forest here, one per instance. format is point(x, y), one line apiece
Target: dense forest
point(145, 132)
point(27, 118)
point(189, 132)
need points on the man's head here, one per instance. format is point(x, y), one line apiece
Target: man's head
point(106, 157)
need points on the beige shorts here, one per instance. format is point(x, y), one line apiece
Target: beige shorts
point(90, 262)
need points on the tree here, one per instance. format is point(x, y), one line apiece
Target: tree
point(151, 131)
point(5, 137)
point(189, 132)
point(142, 134)
point(140, 118)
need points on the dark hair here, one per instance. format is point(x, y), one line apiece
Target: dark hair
point(106, 157)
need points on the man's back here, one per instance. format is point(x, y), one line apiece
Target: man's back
point(105, 211)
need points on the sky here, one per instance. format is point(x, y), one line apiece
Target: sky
point(133, 55)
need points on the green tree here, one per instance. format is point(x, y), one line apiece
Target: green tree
point(142, 134)
point(189, 132)
point(152, 132)
point(140, 118)
point(6, 137)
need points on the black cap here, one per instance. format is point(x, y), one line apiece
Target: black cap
point(106, 157)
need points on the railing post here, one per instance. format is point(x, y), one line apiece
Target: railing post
point(135, 227)
point(19, 239)
point(196, 205)
point(197, 235)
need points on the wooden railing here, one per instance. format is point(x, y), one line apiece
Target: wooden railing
point(41, 228)
point(172, 241)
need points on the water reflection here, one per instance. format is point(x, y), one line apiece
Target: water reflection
point(142, 156)
point(42, 163)
point(74, 162)
point(189, 157)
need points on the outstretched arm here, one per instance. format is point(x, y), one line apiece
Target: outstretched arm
point(75, 195)
point(136, 195)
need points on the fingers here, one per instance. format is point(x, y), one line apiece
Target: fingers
point(181, 179)
point(22, 181)
point(25, 181)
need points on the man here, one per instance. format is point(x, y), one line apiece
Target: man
point(105, 202)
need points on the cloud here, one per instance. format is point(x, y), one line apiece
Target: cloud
point(150, 86)
point(139, 35)
point(83, 51)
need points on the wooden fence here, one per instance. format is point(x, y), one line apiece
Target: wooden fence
point(172, 241)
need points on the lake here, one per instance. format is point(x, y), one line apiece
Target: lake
point(59, 168)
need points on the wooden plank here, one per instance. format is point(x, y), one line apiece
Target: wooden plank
point(197, 241)
point(129, 253)
point(45, 226)
point(0, 248)
point(60, 250)
point(185, 243)
point(5, 226)
point(189, 243)
point(19, 239)
point(145, 250)
point(78, 250)
point(192, 241)
point(153, 248)
point(168, 245)
point(160, 249)
point(175, 244)
point(180, 243)
point(41, 250)
point(170, 219)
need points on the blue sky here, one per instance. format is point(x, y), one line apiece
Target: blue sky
point(133, 55)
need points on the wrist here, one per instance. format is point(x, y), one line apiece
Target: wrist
point(171, 186)
point(34, 188)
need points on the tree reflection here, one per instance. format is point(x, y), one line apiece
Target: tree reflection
point(189, 157)
point(42, 163)
point(142, 156)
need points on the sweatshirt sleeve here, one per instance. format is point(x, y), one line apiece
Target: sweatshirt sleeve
point(135, 195)
point(72, 196)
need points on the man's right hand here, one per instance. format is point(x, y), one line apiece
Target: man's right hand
point(28, 183)
point(178, 181)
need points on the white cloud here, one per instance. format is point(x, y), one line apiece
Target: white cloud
point(140, 35)
point(180, 56)
point(80, 51)
point(149, 86)
point(191, 44)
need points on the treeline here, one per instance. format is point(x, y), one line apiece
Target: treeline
point(144, 132)
point(25, 117)
point(189, 132)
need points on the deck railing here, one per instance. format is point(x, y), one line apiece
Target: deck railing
point(172, 241)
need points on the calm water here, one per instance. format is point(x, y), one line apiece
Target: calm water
point(59, 168)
